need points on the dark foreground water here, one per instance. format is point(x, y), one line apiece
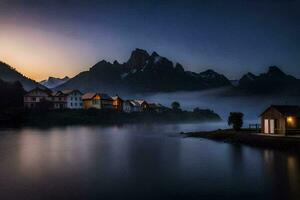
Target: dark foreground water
point(139, 162)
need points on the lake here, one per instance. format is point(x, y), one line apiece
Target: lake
point(140, 162)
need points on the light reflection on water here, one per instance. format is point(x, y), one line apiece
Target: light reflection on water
point(139, 161)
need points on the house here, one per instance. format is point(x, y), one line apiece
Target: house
point(117, 103)
point(144, 106)
point(59, 100)
point(74, 100)
point(281, 120)
point(128, 106)
point(106, 101)
point(91, 100)
point(35, 96)
point(135, 106)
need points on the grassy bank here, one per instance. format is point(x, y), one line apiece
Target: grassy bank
point(249, 137)
point(95, 117)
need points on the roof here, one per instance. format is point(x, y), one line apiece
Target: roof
point(46, 90)
point(67, 92)
point(140, 101)
point(116, 97)
point(134, 103)
point(57, 93)
point(88, 95)
point(128, 102)
point(286, 110)
point(105, 96)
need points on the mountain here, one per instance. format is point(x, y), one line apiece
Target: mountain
point(9, 74)
point(144, 73)
point(53, 82)
point(274, 81)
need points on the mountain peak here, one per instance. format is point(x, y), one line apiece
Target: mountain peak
point(138, 58)
point(274, 70)
point(102, 62)
point(53, 82)
point(209, 71)
point(211, 74)
point(154, 54)
point(248, 77)
point(179, 67)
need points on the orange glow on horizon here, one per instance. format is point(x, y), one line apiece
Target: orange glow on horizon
point(39, 54)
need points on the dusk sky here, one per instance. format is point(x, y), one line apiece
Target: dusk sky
point(58, 38)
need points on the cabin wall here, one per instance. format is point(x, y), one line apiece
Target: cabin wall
point(280, 124)
point(107, 104)
point(92, 103)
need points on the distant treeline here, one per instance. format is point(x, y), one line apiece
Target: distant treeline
point(11, 95)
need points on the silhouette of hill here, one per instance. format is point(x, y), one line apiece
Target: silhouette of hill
point(274, 81)
point(9, 74)
point(144, 73)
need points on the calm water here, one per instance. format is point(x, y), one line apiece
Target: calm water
point(139, 162)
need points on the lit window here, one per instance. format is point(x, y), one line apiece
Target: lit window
point(291, 121)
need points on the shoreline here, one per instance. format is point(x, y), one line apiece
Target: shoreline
point(250, 138)
point(104, 117)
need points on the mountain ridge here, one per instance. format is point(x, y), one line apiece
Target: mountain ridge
point(53, 82)
point(10, 74)
point(144, 72)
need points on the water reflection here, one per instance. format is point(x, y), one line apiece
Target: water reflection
point(283, 173)
point(135, 161)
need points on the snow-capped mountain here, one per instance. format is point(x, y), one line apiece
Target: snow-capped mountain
point(53, 82)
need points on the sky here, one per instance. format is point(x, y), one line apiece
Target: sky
point(64, 37)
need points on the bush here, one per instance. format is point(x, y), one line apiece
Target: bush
point(175, 106)
point(236, 120)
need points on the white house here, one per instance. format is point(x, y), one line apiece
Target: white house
point(74, 100)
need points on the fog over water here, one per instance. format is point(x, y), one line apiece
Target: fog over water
point(252, 107)
point(147, 161)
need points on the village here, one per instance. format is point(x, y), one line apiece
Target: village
point(75, 99)
point(280, 120)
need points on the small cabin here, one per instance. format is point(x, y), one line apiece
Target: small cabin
point(106, 101)
point(142, 104)
point(117, 103)
point(281, 120)
point(91, 100)
point(59, 100)
point(35, 96)
point(135, 106)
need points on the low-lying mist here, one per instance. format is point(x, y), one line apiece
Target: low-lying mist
point(251, 106)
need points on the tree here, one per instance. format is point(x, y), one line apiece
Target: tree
point(175, 105)
point(236, 120)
